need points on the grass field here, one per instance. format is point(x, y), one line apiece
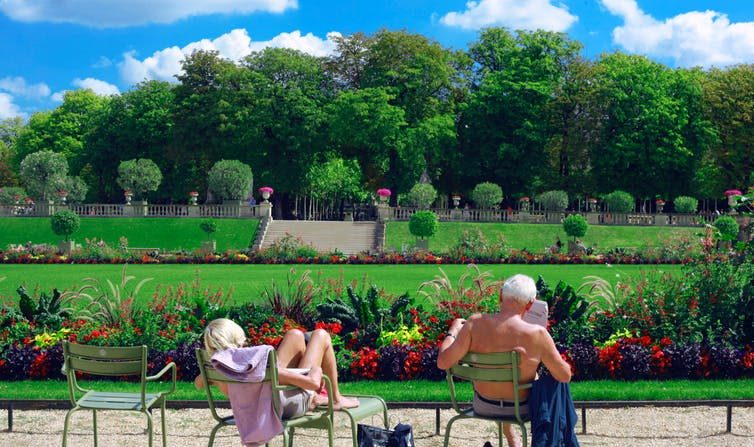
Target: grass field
point(248, 281)
point(426, 391)
point(163, 233)
point(536, 237)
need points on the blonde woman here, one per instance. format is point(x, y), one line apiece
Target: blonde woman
point(317, 356)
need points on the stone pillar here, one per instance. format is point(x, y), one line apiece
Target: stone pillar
point(456, 214)
point(128, 210)
point(383, 212)
point(265, 210)
point(593, 218)
point(193, 211)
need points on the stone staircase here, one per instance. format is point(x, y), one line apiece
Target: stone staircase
point(349, 238)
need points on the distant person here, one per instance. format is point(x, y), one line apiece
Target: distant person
point(507, 331)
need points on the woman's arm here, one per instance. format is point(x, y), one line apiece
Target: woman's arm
point(199, 384)
point(311, 381)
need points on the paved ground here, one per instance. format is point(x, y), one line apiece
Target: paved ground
point(655, 427)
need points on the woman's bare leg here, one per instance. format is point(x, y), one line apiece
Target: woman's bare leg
point(514, 440)
point(291, 349)
point(319, 352)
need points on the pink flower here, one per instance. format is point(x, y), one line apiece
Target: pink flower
point(524, 199)
point(194, 194)
point(266, 189)
point(384, 192)
point(732, 192)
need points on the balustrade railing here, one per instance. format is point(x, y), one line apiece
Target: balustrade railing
point(133, 210)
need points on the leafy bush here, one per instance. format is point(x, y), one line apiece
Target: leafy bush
point(685, 204)
point(47, 311)
point(65, 223)
point(474, 246)
point(487, 195)
point(575, 226)
point(422, 195)
point(294, 302)
point(43, 172)
point(423, 224)
point(728, 228)
point(76, 188)
point(620, 202)
point(288, 248)
point(139, 175)
point(230, 179)
point(9, 195)
point(556, 200)
point(209, 226)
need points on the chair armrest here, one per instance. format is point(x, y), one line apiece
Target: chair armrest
point(330, 396)
point(174, 377)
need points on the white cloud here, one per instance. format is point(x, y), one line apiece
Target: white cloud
point(516, 14)
point(693, 38)
point(102, 62)
point(18, 86)
point(165, 64)
point(99, 14)
point(99, 87)
point(7, 108)
point(59, 96)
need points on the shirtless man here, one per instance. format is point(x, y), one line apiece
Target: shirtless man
point(505, 331)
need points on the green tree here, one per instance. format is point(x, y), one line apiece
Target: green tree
point(487, 195)
point(140, 176)
point(336, 179)
point(423, 224)
point(65, 223)
point(620, 202)
point(553, 200)
point(422, 195)
point(10, 128)
point(230, 180)
point(43, 173)
point(575, 226)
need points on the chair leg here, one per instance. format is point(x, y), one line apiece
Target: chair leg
point(213, 433)
point(149, 427)
point(524, 435)
point(447, 429)
point(500, 434)
point(164, 425)
point(94, 424)
point(65, 425)
point(330, 434)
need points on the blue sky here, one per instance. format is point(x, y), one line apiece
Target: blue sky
point(50, 46)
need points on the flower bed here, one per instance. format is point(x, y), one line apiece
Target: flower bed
point(698, 325)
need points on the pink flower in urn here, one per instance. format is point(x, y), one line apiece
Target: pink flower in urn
point(732, 193)
point(524, 199)
point(384, 192)
point(659, 201)
point(266, 189)
point(194, 194)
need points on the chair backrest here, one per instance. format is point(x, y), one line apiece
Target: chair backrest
point(493, 367)
point(103, 361)
point(210, 374)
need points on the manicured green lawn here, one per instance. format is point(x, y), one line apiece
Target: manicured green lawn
point(427, 391)
point(163, 233)
point(248, 281)
point(537, 237)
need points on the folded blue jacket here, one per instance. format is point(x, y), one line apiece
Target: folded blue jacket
point(553, 416)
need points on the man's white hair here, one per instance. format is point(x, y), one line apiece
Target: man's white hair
point(519, 288)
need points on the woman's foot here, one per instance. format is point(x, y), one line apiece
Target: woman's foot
point(345, 402)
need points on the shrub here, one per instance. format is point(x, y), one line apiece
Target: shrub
point(9, 195)
point(685, 204)
point(230, 179)
point(619, 202)
point(42, 172)
point(575, 226)
point(728, 228)
point(209, 226)
point(76, 188)
point(487, 195)
point(422, 195)
point(65, 223)
point(553, 200)
point(139, 175)
point(423, 224)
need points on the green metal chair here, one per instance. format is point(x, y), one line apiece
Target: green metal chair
point(497, 367)
point(321, 418)
point(111, 361)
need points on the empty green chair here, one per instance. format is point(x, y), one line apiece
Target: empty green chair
point(112, 361)
point(497, 367)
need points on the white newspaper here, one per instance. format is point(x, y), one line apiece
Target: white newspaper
point(537, 314)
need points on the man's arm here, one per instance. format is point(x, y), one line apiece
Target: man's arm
point(558, 367)
point(455, 345)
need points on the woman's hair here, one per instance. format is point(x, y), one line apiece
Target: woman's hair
point(221, 334)
point(519, 288)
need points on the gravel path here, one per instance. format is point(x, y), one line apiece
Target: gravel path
point(655, 427)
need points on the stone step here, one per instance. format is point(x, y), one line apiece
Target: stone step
point(347, 237)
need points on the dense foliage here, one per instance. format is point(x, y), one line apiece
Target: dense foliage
point(487, 195)
point(422, 195)
point(423, 224)
point(685, 204)
point(139, 176)
point(619, 202)
point(575, 226)
point(230, 180)
point(556, 200)
point(520, 109)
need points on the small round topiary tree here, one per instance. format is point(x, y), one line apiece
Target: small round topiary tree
point(619, 202)
point(42, 172)
point(423, 224)
point(556, 200)
point(65, 223)
point(575, 226)
point(685, 204)
point(487, 195)
point(422, 195)
point(139, 176)
point(209, 226)
point(728, 228)
point(230, 179)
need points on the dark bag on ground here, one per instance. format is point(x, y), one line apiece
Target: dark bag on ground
point(370, 436)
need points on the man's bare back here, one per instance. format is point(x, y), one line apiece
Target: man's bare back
point(497, 333)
